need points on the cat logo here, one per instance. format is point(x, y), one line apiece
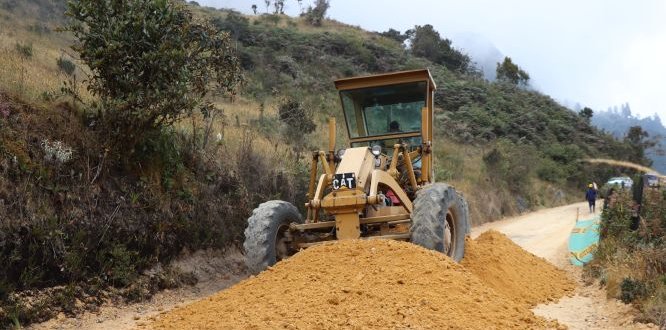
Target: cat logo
point(346, 180)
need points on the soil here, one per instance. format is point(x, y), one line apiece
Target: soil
point(361, 284)
point(514, 272)
point(543, 233)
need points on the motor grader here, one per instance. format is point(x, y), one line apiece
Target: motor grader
point(381, 187)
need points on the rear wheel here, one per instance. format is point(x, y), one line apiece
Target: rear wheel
point(265, 240)
point(440, 220)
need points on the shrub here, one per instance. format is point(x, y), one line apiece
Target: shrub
point(65, 66)
point(151, 63)
point(616, 219)
point(315, 15)
point(511, 164)
point(631, 290)
point(551, 171)
point(298, 119)
point(235, 24)
point(632, 262)
point(297, 123)
point(24, 50)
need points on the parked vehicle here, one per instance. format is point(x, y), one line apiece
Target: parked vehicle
point(622, 181)
point(651, 180)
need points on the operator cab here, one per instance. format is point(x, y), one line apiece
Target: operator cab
point(387, 109)
point(384, 110)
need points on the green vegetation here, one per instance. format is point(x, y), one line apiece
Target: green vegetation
point(631, 259)
point(586, 113)
point(66, 66)
point(638, 141)
point(427, 43)
point(24, 50)
point(151, 64)
point(507, 71)
point(83, 221)
point(314, 15)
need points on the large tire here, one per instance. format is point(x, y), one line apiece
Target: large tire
point(440, 220)
point(265, 229)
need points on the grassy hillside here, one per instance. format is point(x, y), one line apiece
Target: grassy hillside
point(81, 224)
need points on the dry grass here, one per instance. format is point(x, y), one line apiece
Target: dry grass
point(237, 122)
point(32, 77)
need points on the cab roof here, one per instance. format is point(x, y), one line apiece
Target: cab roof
point(386, 79)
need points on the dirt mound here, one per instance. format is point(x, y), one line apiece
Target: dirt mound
point(357, 284)
point(514, 272)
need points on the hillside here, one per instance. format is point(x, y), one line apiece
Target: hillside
point(192, 186)
point(483, 126)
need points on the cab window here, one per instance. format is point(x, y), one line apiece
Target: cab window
point(384, 110)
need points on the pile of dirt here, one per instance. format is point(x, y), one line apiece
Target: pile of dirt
point(358, 284)
point(510, 270)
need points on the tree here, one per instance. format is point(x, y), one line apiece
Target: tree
point(626, 110)
point(268, 4)
point(297, 122)
point(236, 24)
point(427, 43)
point(638, 140)
point(315, 15)
point(395, 35)
point(279, 7)
point(151, 63)
point(586, 113)
point(254, 8)
point(507, 71)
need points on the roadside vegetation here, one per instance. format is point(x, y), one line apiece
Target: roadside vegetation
point(117, 157)
point(631, 260)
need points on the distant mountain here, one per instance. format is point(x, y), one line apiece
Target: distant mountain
point(617, 120)
point(482, 52)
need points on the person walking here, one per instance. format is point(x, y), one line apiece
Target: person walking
point(591, 196)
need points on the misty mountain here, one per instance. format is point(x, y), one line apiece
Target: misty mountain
point(482, 52)
point(618, 119)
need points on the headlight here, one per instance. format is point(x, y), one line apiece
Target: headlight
point(341, 153)
point(376, 150)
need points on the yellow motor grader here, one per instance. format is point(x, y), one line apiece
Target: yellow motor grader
point(381, 187)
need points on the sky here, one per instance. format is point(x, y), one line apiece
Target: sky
point(597, 53)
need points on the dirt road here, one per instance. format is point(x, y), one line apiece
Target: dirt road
point(544, 233)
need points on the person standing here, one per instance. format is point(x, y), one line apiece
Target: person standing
point(591, 196)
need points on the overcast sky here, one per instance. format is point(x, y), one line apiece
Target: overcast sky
point(598, 53)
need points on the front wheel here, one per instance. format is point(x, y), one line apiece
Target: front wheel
point(265, 240)
point(440, 220)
